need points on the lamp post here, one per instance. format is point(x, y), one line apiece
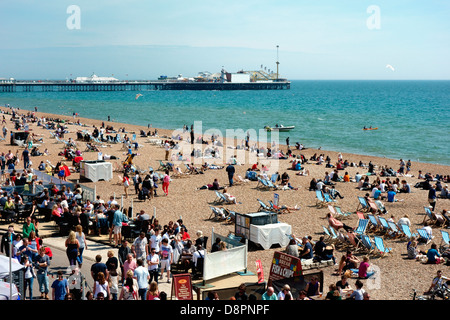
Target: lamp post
point(278, 63)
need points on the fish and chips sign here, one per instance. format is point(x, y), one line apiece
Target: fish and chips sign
point(284, 266)
point(182, 286)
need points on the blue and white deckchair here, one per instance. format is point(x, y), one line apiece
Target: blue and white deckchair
point(362, 226)
point(380, 247)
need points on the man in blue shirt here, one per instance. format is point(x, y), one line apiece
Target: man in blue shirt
point(307, 252)
point(391, 195)
point(60, 287)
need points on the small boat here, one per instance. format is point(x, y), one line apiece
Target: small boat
point(370, 128)
point(279, 128)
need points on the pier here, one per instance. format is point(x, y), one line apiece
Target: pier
point(68, 86)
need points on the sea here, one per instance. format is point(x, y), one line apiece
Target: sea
point(412, 117)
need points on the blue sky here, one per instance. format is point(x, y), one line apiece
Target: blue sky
point(142, 39)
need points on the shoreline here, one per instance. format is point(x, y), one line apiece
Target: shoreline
point(167, 132)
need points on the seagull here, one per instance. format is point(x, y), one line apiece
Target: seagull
point(390, 67)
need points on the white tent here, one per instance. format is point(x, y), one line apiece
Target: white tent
point(4, 266)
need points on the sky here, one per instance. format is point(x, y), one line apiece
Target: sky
point(143, 39)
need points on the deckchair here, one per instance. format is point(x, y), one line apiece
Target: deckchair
point(328, 198)
point(342, 214)
point(356, 246)
point(338, 238)
point(367, 243)
point(334, 234)
point(406, 230)
point(262, 184)
point(362, 205)
point(423, 235)
point(362, 226)
point(328, 234)
point(360, 215)
point(216, 213)
point(219, 198)
point(263, 206)
point(230, 216)
point(162, 166)
point(320, 200)
point(384, 224)
point(274, 208)
point(429, 217)
point(435, 219)
point(372, 206)
point(375, 226)
point(394, 232)
point(380, 247)
point(445, 242)
point(381, 207)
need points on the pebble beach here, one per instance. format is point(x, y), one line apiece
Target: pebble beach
point(397, 276)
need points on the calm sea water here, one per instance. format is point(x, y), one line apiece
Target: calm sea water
point(411, 116)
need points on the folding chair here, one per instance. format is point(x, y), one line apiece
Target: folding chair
point(360, 215)
point(394, 232)
point(362, 205)
point(353, 241)
point(445, 242)
point(328, 234)
point(328, 198)
point(219, 198)
point(320, 201)
point(362, 226)
point(263, 206)
point(424, 236)
point(216, 213)
point(374, 225)
point(380, 247)
point(384, 224)
point(407, 231)
point(342, 214)
point(367, 243)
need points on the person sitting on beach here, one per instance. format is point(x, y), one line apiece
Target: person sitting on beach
point(336, 224)
point(347, 262)
point(433, 255)
point(229, 197)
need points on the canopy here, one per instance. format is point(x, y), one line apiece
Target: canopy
point(4, 266)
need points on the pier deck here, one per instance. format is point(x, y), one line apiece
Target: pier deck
point(67, 86)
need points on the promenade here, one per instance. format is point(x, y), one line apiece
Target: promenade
point(49, 234)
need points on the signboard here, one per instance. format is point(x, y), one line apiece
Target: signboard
point(284, 266)
point(182, 286)
point(259, 271)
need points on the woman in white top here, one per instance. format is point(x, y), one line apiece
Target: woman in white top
point(101, 285)
point(83, 245)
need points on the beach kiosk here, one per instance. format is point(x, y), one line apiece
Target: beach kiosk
point(262, 228)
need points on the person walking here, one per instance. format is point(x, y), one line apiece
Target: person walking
point(166, 182)
point(72, 246)
point(142, 277)
point(230, 171)
point(42, 262)
point(82, 244)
